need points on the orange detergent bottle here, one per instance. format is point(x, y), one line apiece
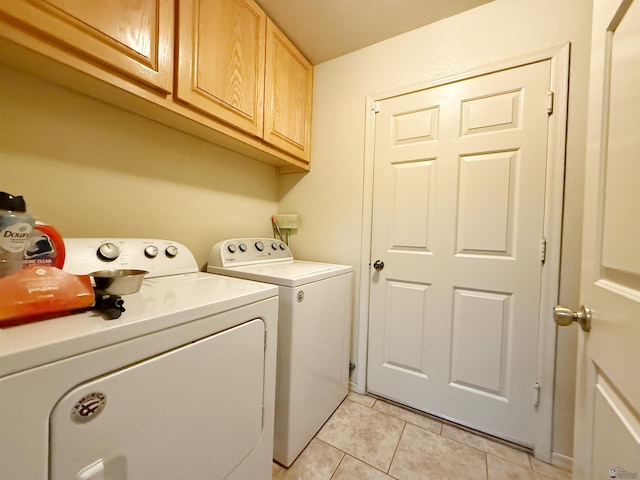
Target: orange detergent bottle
point(44, 247)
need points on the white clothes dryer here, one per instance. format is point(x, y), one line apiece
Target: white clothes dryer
point(314, 321)
point(181, 385)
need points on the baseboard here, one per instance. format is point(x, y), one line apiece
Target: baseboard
point(353, 387)
point(562, 461)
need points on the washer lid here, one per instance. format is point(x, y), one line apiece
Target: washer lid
point(289, 274)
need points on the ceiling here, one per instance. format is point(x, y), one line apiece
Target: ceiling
point(326, 29)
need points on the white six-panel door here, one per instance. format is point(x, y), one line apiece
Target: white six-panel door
point(458, 210)
point(607, 433)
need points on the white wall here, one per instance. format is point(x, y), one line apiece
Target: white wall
point(329, 199)
point(91, 169)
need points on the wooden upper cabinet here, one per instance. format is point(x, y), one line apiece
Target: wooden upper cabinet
point(134, 38)
point(234, 72)
point(221, 54)
point(288, 94)
point(236, 65)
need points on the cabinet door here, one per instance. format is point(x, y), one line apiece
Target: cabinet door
point(289, 95)
point(221, 60)
point(134, 38)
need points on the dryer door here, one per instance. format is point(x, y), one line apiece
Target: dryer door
point(193, 412)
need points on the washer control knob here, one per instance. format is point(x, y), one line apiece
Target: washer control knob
point(151, 251)
point(242, 247)
point(260, 246)
point(283, 246)
point(274, 246)
point(108, 252)
point(232, 248)
point(171, 251)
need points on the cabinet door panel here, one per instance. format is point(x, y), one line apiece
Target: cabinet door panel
point(289, 94)
point(221, 60)
point(133, 37)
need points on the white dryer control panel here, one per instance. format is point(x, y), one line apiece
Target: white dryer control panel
point(248, 251)
point(157, 256)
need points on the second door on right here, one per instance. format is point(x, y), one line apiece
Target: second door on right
point(458, 212)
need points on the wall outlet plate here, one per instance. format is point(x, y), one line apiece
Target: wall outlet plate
point(288, 220)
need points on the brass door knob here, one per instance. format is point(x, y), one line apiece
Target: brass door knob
point(565, 316)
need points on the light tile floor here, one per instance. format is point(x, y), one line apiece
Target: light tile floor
point(369, 439)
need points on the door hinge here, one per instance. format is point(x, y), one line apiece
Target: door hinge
point(543, 250)
point(550, 99)
point(375, 107)
point(536, 387)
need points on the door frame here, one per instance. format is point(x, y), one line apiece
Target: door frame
point(552, 228)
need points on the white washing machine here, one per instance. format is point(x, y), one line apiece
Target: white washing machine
point(182, 385)
point(313, 334)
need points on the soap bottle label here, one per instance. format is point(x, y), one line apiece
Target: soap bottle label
point(14, 236)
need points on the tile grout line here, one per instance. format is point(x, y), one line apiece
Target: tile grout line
point(483, 452)
point(393, 457)
point(441, 433)
point(344, 454)
point(486, 464)
point(480, 450)
point(361, 459)
point(453, 425)
point(404, 424)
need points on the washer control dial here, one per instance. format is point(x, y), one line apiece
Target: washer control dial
point(108, 252)
point(232, 248)
point(274, 246)
point(171, 251)
point(151, 251)
point(260, 246)
point(242, 247)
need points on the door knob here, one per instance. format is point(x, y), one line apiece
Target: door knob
point(378, 265)
point(565, 316)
